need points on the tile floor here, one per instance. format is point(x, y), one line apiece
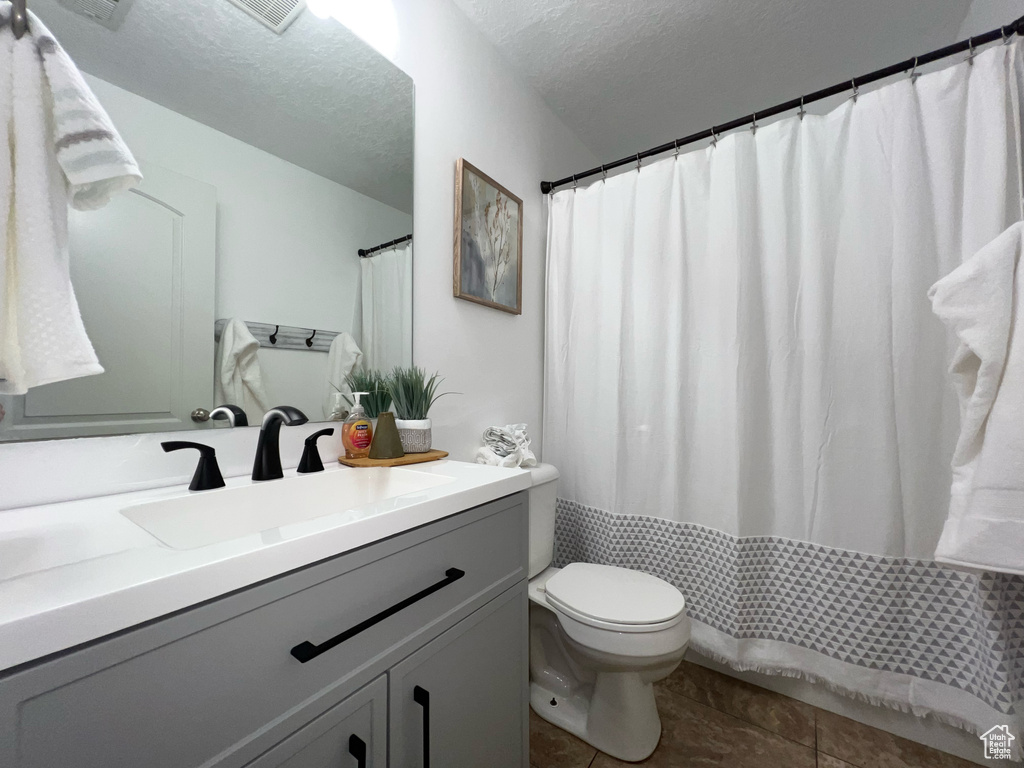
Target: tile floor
point(709, 719)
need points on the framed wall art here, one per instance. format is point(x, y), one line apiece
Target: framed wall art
point(488, 241)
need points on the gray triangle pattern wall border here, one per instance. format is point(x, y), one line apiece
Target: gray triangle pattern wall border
point(886, 613)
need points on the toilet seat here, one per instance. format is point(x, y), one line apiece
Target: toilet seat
point(616, 599)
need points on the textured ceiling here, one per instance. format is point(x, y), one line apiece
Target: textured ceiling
point(627, 75)
point(316, 96)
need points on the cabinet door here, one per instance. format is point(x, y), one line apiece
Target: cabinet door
point(461, 701)
point(351, 734)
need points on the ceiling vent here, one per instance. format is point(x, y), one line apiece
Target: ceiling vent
point(274, 14)
point(109, 13)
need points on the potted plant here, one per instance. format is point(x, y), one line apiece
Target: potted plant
point(412, 394)
point(378, 397)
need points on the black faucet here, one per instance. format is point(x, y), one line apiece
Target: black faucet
point(235, 416)
point(268, 450)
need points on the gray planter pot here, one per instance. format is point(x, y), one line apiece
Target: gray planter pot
point(415, 434)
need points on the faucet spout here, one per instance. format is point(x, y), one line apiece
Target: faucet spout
point(267, 465)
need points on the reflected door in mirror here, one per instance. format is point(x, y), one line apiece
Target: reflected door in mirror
point(143, 271)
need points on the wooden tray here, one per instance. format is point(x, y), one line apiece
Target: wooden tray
point(409, 458)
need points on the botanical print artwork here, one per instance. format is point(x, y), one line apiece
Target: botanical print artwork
point(488, 221)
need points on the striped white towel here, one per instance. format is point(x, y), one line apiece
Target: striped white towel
point(95, 160)
point(64, 150)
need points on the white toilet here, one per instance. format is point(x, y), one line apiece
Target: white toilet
point(600, 636)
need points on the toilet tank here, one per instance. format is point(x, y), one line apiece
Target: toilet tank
point(543, 494)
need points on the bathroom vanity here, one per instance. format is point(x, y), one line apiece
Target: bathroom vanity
point(407, 650)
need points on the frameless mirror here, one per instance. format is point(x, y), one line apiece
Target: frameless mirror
point(276, 164)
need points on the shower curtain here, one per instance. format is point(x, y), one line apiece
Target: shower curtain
point(746, 392)
point(386, 295)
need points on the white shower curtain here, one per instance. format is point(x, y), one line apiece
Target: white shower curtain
point(746, 391)
point(386, 280)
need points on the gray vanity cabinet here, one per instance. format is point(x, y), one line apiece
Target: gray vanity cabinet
point(283, 673)
point(351, 734)
point(453, 700)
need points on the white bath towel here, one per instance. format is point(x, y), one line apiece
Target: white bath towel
point(343, 358)
point(981, 303)
point(238, 376)
point(63, 150)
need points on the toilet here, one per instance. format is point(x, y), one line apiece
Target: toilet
point(600, 636)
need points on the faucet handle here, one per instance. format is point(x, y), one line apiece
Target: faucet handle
point(207, 475)
point(236, 416)
point(310, 461)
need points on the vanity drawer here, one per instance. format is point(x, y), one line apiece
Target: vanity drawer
point(173, 688)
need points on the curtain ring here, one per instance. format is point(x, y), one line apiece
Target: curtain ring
point(802, 111)
point(913, 72)
point(273, 336)
point(676, 142)
point(638, 162)
point(714, 137)
point(970, 55)
point(604, 173)
point(1006, 37)
point(574, 181)
point(856, 91)
point(309, 341)
point(753, 123)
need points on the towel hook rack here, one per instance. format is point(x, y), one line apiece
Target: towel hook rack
point(19, 18)
point(309, 341)
point(273, 336)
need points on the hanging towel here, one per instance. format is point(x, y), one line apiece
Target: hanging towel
point(94, 159)
point(343, 358)
point(64, 151)
point(239, 378)
point(980, 302)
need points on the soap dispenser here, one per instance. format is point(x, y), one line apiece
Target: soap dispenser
point(357, 431)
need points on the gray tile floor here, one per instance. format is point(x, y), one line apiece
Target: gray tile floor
point(710, 719)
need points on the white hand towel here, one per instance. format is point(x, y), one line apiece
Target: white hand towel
point(239, 378)
point(507, 446)
point(981, 303)
point(42, 337)
point(343, 358)
point(94, 159)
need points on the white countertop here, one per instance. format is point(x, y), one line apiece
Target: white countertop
point(76, 571)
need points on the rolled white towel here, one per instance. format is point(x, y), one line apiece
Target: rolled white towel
point(507, 446)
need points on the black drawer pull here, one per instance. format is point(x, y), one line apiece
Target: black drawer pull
point(306, 651)
point(357, 748)
point(422, 697)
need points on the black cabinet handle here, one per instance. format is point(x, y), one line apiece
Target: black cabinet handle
point(422, 697)
point(306, 651)
point(357, 748)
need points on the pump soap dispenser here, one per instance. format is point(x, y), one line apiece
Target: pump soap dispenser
point(357, 431)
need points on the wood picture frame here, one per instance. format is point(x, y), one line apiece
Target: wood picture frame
point(488, 241)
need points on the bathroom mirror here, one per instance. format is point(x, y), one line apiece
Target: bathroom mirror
point(271, 160)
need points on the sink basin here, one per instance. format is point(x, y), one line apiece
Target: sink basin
point(209, 517)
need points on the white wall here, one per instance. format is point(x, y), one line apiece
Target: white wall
point(469, 103)
point(287, 239)
point(986, 15)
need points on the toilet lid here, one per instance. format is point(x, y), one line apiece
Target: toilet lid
point(614, 595)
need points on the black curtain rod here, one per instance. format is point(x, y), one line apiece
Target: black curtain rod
point(1003, 33)
point(364, 252)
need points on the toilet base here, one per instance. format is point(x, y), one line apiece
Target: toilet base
point(617, 715)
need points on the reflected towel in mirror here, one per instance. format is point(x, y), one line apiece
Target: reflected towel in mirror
point(237, 372)
point(62, 149)
point(343, 358)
